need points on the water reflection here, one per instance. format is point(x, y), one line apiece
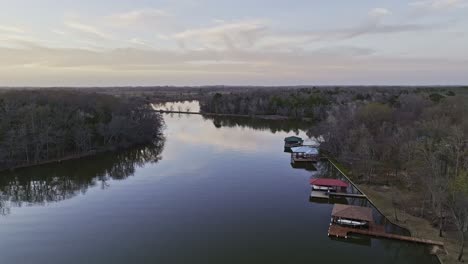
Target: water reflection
point(56, 182)
point(220, 195)
point(183, 106)
point(355, 240)
point(309, 166)
point(289, 126)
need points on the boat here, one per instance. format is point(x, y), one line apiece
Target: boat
point(328, 185)
point(323, 188)
point(351, 222)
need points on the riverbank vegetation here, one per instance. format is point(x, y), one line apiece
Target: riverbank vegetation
point(414, 144)
point(412, 141)
point(43, 125)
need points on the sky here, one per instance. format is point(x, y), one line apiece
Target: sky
point(242, 42)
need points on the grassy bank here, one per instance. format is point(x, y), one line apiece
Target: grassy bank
point(419, 227)
point(383, 199)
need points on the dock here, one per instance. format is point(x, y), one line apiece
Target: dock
point(319, 194)
point(376, 230)
point(350, 195)
point(327, 195)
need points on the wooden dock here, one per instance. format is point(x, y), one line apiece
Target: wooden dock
point(294, 160)
point(376, 230)
point(266, 117)
point(179, 112)
point(319, 194)
point(327, 195)
point(350, 195)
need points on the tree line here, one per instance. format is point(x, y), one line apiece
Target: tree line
point(415, 143)
point(297, 103)
point(45, 124)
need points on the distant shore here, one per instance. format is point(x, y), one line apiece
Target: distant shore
point(266, 117)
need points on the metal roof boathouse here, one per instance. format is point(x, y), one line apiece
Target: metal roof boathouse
point(304, 153)
point(293, 141)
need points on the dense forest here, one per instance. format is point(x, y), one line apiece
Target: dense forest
point(294, 103)
point(414, 143)
point(50, 124)
point(309, 102)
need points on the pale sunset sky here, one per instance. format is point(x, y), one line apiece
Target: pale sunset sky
point(243, 42)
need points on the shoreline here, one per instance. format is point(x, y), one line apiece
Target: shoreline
point(265, 117)
point(417, 226)
point(56, 160)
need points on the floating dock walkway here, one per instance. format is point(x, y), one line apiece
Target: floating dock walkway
point(325, 195)
point(376, 230)
point(350, 195)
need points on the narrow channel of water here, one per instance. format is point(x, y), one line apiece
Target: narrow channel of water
point(216, 191)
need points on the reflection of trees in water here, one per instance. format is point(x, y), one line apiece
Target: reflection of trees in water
point(259, 124)
point(57, 182)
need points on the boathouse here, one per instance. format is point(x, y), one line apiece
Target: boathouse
point(304, 153)
point(293, 141)
point(351, 215)
point(348, 219)
point(325, 184)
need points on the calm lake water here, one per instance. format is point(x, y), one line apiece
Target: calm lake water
point(216, 191)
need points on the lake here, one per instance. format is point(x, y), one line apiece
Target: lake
point(214, 191)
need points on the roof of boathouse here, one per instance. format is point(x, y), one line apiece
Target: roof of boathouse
point(293, 139)
point(305, 149)
point(328, 182)
point(353, 212)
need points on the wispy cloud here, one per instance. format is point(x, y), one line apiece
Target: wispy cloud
point(240, 34)
point(11, 29)
point(87, 29)
point(259, 34)
point(139, 16)
point(336, 65)
point(439, 4)
point(379, 12)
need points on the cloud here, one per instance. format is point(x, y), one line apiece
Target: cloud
point(11, 29)
point(379, 12)
point(259, 34)
point(137, 41)
point(59, 32)
point(140, 16)
point(208, 61)
point(233, 35)
point(439, 4)
point(137, 66)
point(87, 30)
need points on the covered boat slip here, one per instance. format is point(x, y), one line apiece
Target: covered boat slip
point(304, 154)
point(293, 141)
point(326, 184)
point(348, 219)
point(327, 188)
point(352, 215)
